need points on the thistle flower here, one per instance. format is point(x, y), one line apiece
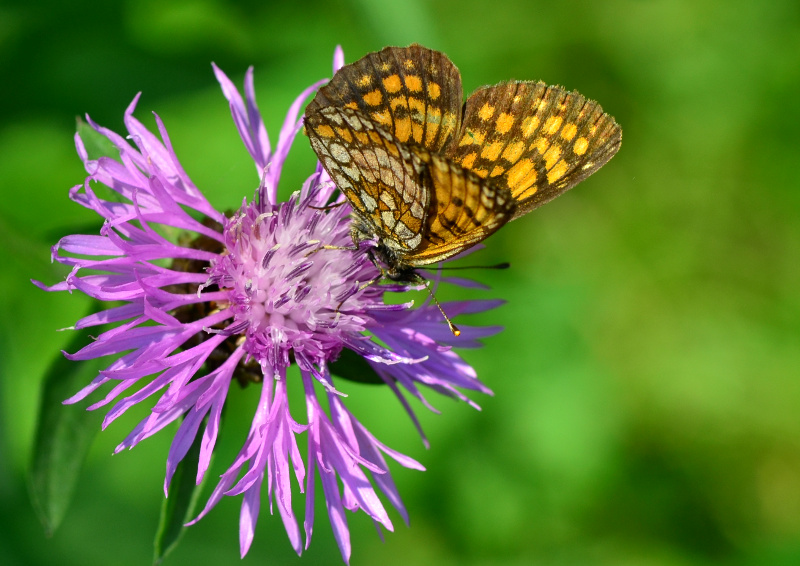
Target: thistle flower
point(243, 297)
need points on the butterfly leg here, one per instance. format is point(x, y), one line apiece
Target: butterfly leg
point(329, 206)
point(328, 247)
point(361, 286)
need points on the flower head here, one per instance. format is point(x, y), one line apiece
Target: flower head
point(243, 297)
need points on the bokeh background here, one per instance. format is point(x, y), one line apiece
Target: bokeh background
point(647, 385)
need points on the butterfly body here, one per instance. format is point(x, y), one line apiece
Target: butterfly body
point(428, 177)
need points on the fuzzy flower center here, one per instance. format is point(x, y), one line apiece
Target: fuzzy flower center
point(286, 294)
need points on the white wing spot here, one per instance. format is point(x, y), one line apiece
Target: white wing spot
point(383, 157)
point(330, 164)
point(355, 174)
point(339, 153)
point(386, 177)
point(388, 219)
point(354, 122)
point(403, 231)
point(399, 170)
point(369, 203)
point(341, 181)
point(371, 160)
point(388, 200)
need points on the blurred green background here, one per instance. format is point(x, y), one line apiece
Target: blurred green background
point(646, 385)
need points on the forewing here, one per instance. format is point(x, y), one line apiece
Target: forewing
point(464, 210)
point(534, 139)
point(413, 92)
point(382, 178)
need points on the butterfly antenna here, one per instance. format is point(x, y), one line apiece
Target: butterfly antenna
point(453, 328)
point(504, 265)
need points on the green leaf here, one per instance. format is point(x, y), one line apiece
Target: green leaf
point(96, 144)
point(64, 434)
point(353, 367)
point(178, 507)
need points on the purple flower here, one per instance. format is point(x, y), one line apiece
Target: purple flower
point(243, 297)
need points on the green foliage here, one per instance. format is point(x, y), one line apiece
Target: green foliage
point(95, 143)
point(353, 367)
point(179, 506)
point(646, 385)
point(63, 435)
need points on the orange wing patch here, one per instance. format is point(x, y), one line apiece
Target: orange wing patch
point(464, 210)
point(568, 138)
point(415, 93)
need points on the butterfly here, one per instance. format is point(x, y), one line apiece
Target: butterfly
point(427, 176)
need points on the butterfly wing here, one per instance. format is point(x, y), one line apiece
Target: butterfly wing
point(464, 210)
point(537, 140)
point(388, 130)
point(413, 93)
point(385, 182)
